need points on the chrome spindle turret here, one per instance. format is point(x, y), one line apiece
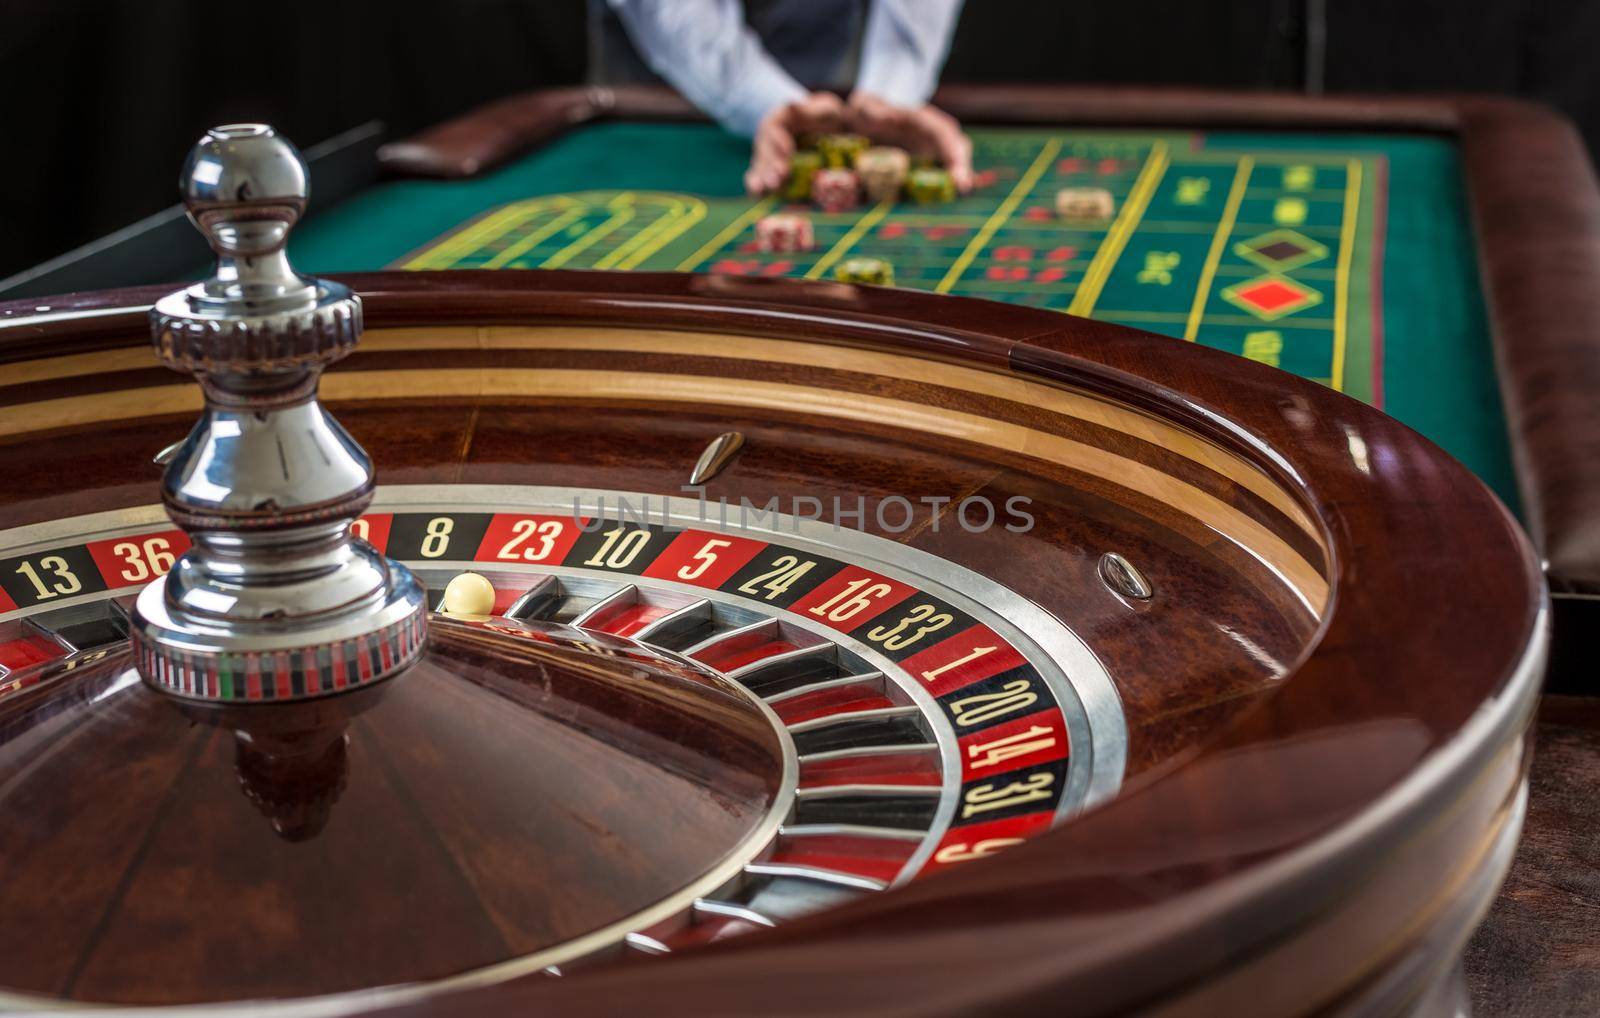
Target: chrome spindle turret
point(275, 600)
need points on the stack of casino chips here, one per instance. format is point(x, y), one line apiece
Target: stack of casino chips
point(843, 167)
point(803, 166)
point(1084, 204)
point(833, 172)
point(784, 232)
point(929, 184)
point(839, 151)
point(835, 190)
point(883, 171)
point(873, 271)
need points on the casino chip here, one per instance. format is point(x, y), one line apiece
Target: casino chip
point(839, 151)
point(1084, 204)
point(802, 167)
point(784, 232)
point(883, 170)
point(836, 190)
point(929, 185)
point(873, 271)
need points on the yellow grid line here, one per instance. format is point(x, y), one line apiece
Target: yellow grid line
point(532, 240)
point(619, 214)
point(1219, 241)
point(668, 211)
point(1341, 281)
point(1149, 226)
point(1094, 280)
point(644, 233)
point(676, 215)
point(728, 232)
point(681, 224)
point(850, 239)
point(1325, 195)
point(1007, 208)
point(1176, 317)
point(457, 246)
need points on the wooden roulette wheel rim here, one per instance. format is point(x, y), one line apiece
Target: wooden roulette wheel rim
point(1329, 848)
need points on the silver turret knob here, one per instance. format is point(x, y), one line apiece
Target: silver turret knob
point(275, 600)
point(245, 189)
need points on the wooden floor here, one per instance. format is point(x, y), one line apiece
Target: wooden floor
point(1537, 954)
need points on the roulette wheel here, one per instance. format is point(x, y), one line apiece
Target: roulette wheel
point(718, 644)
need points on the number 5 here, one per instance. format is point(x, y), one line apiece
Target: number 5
point(704, 558)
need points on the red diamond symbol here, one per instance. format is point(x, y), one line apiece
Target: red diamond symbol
point(1271, 297)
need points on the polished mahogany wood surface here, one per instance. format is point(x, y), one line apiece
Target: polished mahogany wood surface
point(487, 804)
point(1361, 793)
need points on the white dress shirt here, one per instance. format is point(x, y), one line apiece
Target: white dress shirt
point(705, 49)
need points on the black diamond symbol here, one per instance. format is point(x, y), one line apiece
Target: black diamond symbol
point(1280, 250)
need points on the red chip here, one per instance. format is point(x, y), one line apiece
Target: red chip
point(784, 232)
point(835, 190)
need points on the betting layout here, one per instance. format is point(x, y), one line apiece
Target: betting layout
point(1269, 252)
point(930, 728)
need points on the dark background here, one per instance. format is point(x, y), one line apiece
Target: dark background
point(104, 96)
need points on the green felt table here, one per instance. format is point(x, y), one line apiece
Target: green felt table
point(1346, 258)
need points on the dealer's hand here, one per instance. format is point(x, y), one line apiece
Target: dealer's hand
point(817, 113)
point(923, 131)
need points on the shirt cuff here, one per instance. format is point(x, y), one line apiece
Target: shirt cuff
point(896, 77)
point(764, 87)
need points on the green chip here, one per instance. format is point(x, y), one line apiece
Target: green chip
point(840, 150)
point(872, 271)
point(802, 167)
point(929, 185)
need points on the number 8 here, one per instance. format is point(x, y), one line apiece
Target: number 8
point(438, 538)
